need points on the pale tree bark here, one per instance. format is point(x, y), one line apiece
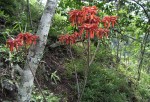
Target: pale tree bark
point(35, 53)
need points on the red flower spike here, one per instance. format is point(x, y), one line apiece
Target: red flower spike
point(34, 39)
point(102, 32)
point(17, 43)
point(91, 28)
point(91, 34)
point(81, 31)
point(69, 39)
point(92, 19)
point(72, 39)
point(106, 32)
point(10, 44)
point(90, 10)
point(88, 24)
point(20, 36)
point(86, 35)
point(109, 19)
point(113, 20)
point(21, 39)
point(62, 38)
point(86, 15)
point(76, 17)
point(106, 21)
point(27, 38)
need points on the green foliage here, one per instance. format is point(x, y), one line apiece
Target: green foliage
point(50, 97)
point(144, 86)
point(2, 15)
point(60, 25)
point(103, 87)
point(8, 6)
point(36, 13)
point(80, 65)
point(19, 21)
point(108, 83)
point(55, 77)
point(4, 52)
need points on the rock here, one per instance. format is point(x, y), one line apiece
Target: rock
point(8, 84)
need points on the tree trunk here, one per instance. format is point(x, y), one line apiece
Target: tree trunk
point(35, 53)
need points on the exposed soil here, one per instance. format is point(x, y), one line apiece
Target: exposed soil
point(54, 59)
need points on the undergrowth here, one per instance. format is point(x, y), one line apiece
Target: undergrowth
point(107, 82)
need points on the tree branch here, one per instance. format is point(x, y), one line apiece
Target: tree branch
point(29, 14)
point(76, 74)
point(93, 57)
point(146, 13)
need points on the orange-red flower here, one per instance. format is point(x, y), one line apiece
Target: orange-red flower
point(34, 39)
point(87, 23)
point(27, 38)
point(22, 39)
point(11, 43)
point(91, 10)
point(113, 20)
point(76, 17)
point(102, 32)
point(69, 39)
point(63, 38)
point(89, 28)
point(107, 20)
point(85, 15)
point(92, 19)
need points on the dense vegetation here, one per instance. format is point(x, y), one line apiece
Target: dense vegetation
point(120, 71)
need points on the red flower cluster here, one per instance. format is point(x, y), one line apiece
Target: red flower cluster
point(88, 24)
point(21, 39)
point(69, 39)
point(102, 32)
point(109, 19)
point(85, 15)
point(89, 28)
